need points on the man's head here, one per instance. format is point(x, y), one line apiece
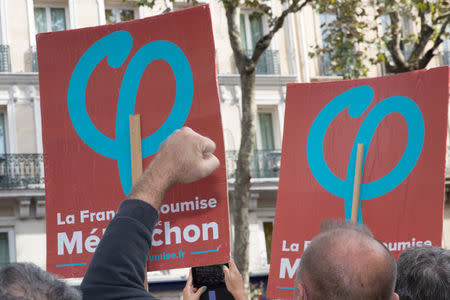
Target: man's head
point(423, 273)
point(20, 281)
point(344, 261)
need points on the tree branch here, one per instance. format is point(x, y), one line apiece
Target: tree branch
point(233, 33)
point(264, 42)
point(437, 42)
point(394, 44)
point(426, 32)
point(389, 68)
point(447, 15)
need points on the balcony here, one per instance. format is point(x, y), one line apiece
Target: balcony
point(266, 163)
point(33, 59)
point(21, 171)
point(268, 64)
point(5, 60)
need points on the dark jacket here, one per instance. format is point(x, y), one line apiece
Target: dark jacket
point(117, 269)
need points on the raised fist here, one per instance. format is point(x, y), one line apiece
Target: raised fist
point(185, 156)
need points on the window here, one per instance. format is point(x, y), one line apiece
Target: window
point(266, 160)
point(325, 20)
point(5, 58)
point(325, 59)
point(446, 55)
point(252, 29)
point(385, 23)
point(2, 134)
point(49, 19)
point(6, 247)
point(266, 130)
point(385, 29)
point(116, 15)
point(181, 4)
point(268, 229)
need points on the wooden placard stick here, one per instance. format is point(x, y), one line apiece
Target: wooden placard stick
point(357, 182)
point(136, 161)
point(135, 147)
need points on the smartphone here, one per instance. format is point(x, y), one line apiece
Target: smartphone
point(213, 278)
point(209, 276)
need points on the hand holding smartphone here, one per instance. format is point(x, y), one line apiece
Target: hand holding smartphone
point(214, 279)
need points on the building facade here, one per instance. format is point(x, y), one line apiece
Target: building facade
point(22, 190)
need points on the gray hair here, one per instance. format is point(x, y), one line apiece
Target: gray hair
point(424, 273)
point(329, 268)
point(28, 281)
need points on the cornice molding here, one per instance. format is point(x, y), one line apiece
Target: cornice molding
point(261, 80)
point(38, 192)
point(26, 78)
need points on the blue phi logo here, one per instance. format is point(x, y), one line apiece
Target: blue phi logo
point(357, 100)
point(116, 47)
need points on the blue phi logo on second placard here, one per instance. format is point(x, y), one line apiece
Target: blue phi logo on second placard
point(357, 100)
point(116, 47)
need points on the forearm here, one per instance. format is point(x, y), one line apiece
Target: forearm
point(153, 184)
point(117, 269)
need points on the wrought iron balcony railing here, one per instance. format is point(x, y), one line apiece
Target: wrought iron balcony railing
point(268, 63)
point(33, 58)
point(266, 163)
point(21, 171)
point(26, 171)
point(5, 59)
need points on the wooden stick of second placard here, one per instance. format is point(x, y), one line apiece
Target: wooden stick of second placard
point(136, 161)
point(357, 182)
point(135, 147)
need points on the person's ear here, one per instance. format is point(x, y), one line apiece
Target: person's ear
point(395, 297)
point(300, 293)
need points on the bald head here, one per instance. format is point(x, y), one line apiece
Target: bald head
point(344, 261)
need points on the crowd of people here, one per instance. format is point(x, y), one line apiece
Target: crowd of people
point(344, 261)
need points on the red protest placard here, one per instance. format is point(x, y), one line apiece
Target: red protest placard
point(91, 80)
point(402, 122)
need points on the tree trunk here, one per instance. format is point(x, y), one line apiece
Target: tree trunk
point(243, 174)
point(247, 72)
